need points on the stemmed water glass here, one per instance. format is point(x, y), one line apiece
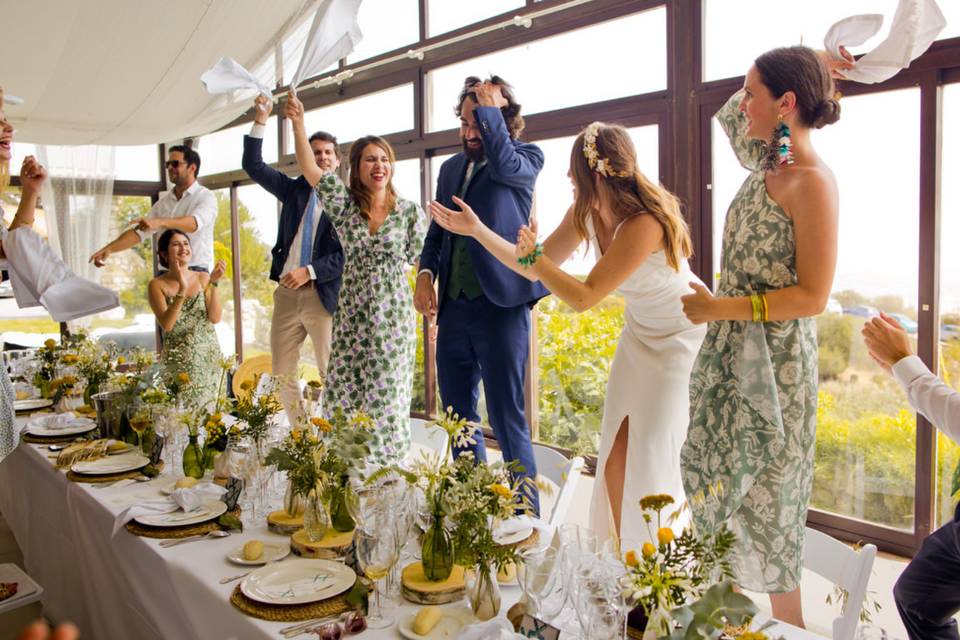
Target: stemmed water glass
point(377, 552)
point(539, 574)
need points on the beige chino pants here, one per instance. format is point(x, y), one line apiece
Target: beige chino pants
point(297, 313)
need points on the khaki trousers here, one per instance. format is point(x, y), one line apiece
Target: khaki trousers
point(297, 313)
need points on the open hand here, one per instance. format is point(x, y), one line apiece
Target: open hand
point(526, 239)
point(219, 270)
point(698, 306)
point(886, 341)
point(836, 66)
point(464, 222)
point(179, 274)
point(489, 95)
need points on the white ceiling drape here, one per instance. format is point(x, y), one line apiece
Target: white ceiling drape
point(119, 72)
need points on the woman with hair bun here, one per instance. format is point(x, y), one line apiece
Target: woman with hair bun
point(642, 244)
point(753, 393)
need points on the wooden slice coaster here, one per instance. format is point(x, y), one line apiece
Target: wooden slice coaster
point(417, 589)
point(334, 544)
point(283, 523)
point(289, 612)
point(200, 528)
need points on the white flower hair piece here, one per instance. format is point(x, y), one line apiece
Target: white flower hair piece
point(602, 166)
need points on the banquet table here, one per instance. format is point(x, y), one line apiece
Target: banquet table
point(126, 586)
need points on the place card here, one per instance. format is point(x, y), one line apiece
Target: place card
point(234, 489)
point(531, 627)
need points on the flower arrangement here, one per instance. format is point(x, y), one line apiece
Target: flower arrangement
point(256, 413)
point(62, 386)
point(96, 363)
point(663, 577)
point(215, 432)
point(48, 355)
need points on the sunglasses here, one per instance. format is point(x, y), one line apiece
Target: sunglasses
point(175, 163)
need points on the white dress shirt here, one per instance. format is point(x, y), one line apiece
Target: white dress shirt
point(293, 255)
point(931, 396)
point(199, 202)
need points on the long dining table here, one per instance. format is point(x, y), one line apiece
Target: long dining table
point(124, 586)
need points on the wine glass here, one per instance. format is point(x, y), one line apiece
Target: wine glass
point(377, 552)
point(538, 571)
point(139, 421)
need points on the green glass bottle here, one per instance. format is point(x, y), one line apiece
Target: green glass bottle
point(193, 459)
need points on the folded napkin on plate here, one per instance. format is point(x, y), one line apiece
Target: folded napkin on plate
point(59, 421)
point(495, 629)
point(185, 499)
point(915, 26)
point(509, 527)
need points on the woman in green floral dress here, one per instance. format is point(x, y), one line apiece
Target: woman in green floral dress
point(374, 327)
point(753, 391)
point(187, 306)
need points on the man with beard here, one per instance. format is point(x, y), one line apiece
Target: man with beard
point(189, 207)
point(481, 307)
point(307, 260)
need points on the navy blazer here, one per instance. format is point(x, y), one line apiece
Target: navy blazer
point(327, 259)
point(501, 194)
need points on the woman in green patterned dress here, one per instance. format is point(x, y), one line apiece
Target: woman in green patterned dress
point(187, 306)
point(753, 391)
point(374, 327)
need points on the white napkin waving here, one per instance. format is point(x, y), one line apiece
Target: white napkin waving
point(40, 277)
point(495, 629)
point(59, 421)
point(186, 499)
point(334, 33)
point(229, 75)
point(915, 26)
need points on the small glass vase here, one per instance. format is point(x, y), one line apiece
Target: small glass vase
point(316, 520)
point(437, 551)
point(339, 515)
point(193, 459)
point(483, 592)
point(294, 504)
point(88, 392)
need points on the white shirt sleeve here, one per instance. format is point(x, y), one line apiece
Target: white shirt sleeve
point(205, 211)
point(313, 274)
point(425, 271)
point(257, 130)
point(928, 394)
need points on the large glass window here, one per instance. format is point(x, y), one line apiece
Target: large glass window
point(575, 349)
point(386, 25)
point(406, 179)
point(734, 33)
point(581, 76)
point(223, 150)
point(223, 250)
point(380, 113)
point(259, 220)
point(140, 162)
point(444, 15)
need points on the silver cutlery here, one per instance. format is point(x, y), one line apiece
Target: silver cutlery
point(308, 626)
point(205, 536)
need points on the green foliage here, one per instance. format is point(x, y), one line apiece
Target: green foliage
point(834, 337)
point(706, 618)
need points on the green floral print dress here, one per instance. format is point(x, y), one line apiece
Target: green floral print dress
point(375, 325)
point(753, 393)
point(191, 347)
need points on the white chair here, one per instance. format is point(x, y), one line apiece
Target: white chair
point(564, 473)
point(847, 568)
point(424, 434)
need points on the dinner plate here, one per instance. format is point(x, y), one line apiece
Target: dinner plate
point(453, 619)
point(82, 425)
point(207, 511)
point(271, 551)
point(32, 403)
point(298, 581)
point(515, 537)
point(111, 464)
point(27, 590)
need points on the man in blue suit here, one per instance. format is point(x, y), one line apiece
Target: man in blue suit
point(307, 260)
point(482, 308)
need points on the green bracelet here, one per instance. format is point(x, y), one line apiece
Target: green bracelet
point(531, 258)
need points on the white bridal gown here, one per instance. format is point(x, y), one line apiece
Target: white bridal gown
point(649, 383)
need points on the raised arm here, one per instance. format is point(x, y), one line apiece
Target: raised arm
point(32, 175)
point(308, 164)
point(210, 297)
point(509, 163)
point(276, 182)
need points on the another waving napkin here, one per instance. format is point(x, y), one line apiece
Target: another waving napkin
point(186, 499)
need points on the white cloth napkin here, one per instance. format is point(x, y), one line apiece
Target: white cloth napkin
point(59, 421)
point(186, 499)
point(915, 26)
point(511, 526)
point(334, 33)
point(495, 629)
point(40, 277)
point(229, 75)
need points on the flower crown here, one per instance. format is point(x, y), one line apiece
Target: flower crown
point(598, 164)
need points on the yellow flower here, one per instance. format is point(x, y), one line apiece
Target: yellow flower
point(246, 385)
point(70, 359)
point(210, 424)
point(218, 416)
point(183, 378)
point(631, 559)
point(313, 439)
point(363, 420)
point(500, 490)
point(49, 343)
point(323, 425)
point(296, 435)
point(648, 549)
point(665, 535)
point(656, 502)
point(752, 635)
point(121, 360)
point(315, 384)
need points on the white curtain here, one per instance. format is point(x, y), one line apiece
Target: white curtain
point(78, 198)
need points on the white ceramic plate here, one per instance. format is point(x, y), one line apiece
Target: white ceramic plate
point(207, 511)
point(455, 617)
point(298, 581)
point(111, 464)
point(271, 551)
point(27, 590)
point(515, 537)
point(32, 403)
point(37, 429)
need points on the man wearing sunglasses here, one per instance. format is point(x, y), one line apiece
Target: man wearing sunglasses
point(188, 207)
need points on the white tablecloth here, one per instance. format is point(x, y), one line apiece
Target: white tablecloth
point(126, 587)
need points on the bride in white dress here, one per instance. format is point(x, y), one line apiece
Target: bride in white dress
point(642, 246)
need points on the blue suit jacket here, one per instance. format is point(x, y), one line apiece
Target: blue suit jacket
point(327, 258)
point(501, 193)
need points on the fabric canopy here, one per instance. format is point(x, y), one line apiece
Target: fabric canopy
point(122, 72)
